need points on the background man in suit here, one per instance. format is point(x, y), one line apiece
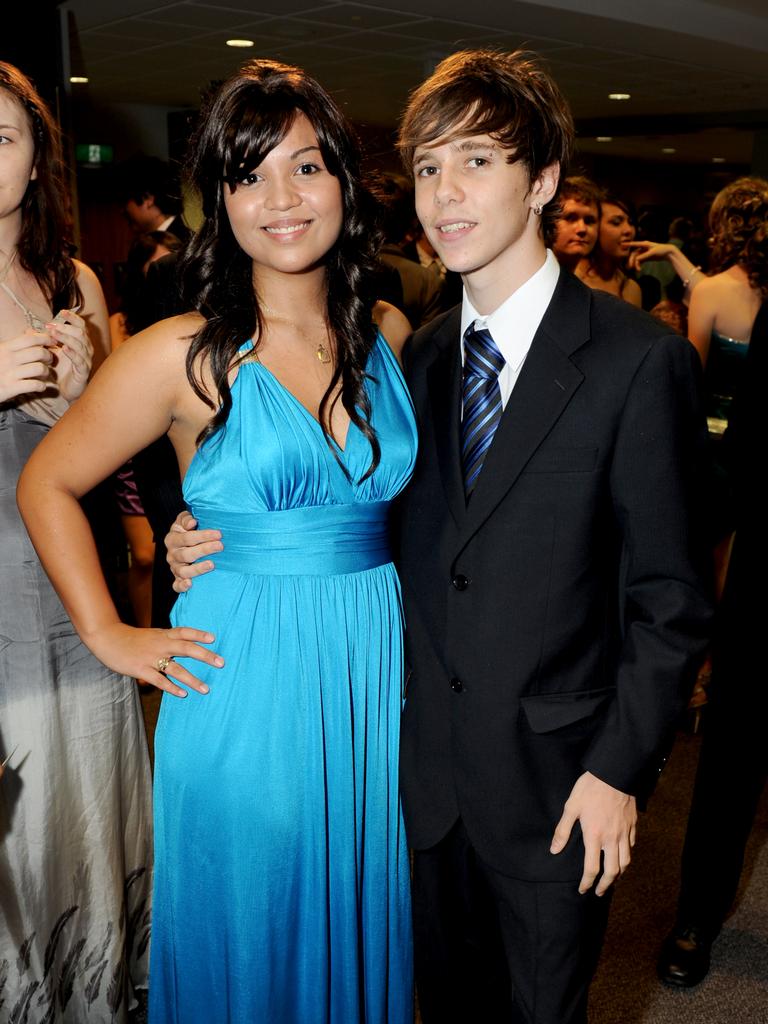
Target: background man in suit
point(554, 602)
point(148, 190)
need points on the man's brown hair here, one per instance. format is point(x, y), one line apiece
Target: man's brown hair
point(583, 190)
point(508, 96)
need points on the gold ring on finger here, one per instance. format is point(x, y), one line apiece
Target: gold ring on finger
point(162, 664)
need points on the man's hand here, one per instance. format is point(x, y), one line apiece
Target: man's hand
point(608, 819)
point(185, 545)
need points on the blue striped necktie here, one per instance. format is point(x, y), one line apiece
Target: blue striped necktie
point(481, 397)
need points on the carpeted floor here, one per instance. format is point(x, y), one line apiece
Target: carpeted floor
point(625, 990)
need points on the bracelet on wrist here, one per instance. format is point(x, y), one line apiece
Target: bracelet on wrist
point(687, 281)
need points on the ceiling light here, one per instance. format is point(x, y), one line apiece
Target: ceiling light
point(669, 149)
point(78, 79)
point(604, 138)
point(718, 159)
point(618, 96)
point(240, 42)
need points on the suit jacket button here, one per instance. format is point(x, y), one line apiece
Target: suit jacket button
point(460, 582)
point(456, 685)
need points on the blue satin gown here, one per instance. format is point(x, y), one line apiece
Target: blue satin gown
point(281, 877)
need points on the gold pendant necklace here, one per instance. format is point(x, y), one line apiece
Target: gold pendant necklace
point(322, 353)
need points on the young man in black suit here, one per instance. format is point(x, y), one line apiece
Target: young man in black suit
point(554, 601)
point(555, 608)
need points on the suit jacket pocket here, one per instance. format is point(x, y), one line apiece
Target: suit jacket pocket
point(563, 460)
point(549, 711)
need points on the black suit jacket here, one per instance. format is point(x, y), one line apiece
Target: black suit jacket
point(554, 624)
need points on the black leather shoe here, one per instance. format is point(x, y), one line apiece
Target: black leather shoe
point(684, 959)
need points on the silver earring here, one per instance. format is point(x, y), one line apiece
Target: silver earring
point(537, 209)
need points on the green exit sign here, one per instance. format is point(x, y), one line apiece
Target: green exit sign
point(92, 154)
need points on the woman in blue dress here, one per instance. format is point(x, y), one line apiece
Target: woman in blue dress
point(281, 885)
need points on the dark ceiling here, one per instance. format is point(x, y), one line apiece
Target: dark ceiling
point(697, 72)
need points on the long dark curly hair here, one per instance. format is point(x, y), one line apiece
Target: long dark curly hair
point(738, 220)
point(244, 120)
point(44, 247)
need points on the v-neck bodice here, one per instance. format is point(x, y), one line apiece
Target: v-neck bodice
point(272, 454)
point(339, 447)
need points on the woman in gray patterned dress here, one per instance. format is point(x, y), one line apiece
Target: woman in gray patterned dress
point(75, 822)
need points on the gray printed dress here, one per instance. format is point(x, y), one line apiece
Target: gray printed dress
point(75, 799)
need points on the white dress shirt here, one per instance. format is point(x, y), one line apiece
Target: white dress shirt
point(515, 322)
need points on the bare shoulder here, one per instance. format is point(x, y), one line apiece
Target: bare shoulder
point(715, 283)
point(90, 286)
point(86, 278)
point(393, 325)
point(711, 291)
point(161, 348)
point(177, 329)
point(730, 284)
point(93, 310)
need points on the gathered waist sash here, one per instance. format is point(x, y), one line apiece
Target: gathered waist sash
point(322, 540)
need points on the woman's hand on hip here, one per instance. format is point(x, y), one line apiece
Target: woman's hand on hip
point(149, 654)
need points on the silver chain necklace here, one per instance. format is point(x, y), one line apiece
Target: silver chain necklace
point(32, 319)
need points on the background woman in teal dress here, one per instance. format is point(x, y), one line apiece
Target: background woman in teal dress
point(281, 888)
point(722, 308)
point(723, 305)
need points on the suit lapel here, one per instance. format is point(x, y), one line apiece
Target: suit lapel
point(444, 386)
point(547, 382)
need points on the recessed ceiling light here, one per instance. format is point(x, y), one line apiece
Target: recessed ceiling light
point(718, 159)
point(240, 42)
point(78, 79)
point(669, 149)
point(618, 96)
point(604, 138)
